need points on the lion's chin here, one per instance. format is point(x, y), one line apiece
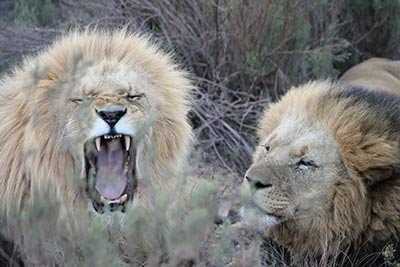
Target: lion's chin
point(110, 171)
point(251, 217)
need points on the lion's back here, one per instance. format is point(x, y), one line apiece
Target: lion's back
point(376, 74)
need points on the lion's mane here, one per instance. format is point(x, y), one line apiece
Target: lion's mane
point(363, 205)
point(36, 152)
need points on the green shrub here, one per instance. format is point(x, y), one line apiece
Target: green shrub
point(372, 26)
point(33, 12)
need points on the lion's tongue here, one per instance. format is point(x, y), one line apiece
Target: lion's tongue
point(110, 178)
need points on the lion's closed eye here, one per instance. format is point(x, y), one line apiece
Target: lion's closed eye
point(76, 100)
point(306, 163)
point(134, 97)
point(266, 146)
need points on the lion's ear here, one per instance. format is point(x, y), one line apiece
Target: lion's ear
point(380, 173)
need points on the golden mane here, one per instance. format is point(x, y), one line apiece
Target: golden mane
point(36, 152)
point(361, 204)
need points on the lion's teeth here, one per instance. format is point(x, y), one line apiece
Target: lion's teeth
point(127, 142)
point(103, 199)
point(112, 136)
point(123, 198)
point(98, 143)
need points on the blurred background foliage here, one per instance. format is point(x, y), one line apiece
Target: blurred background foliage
point(243, 54)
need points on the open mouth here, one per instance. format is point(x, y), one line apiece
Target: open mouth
point(110, 171)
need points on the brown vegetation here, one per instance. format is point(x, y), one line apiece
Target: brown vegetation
point(244, 53)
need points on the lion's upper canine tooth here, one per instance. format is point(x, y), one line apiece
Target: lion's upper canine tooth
point(123, 198)
point(127, 142)
point(103, 199)
point(98, 143)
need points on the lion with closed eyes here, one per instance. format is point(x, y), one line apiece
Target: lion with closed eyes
point(326, 173)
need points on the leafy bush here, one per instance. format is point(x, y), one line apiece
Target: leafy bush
point(169, 230)
point(33, 12)
point(373, 26)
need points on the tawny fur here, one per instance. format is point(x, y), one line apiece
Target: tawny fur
point(41, 139)
point(377, 74)
point(355, 199)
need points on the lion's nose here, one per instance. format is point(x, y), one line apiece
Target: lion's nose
point(257, 184)
point(111, 116)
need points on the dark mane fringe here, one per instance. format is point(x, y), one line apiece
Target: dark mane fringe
point(382, 105)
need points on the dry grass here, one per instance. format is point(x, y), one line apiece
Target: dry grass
point(243, 54)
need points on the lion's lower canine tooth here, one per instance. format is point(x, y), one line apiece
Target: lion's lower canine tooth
point(98, 143)
point(127, 142)
point(123, 198)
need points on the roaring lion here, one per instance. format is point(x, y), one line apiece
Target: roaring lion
point(325, 176)
point(98, 117)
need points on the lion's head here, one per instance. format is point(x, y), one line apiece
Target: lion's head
point(118, 114)
point(324, 174)
point(109, 109)
point(293, 170)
